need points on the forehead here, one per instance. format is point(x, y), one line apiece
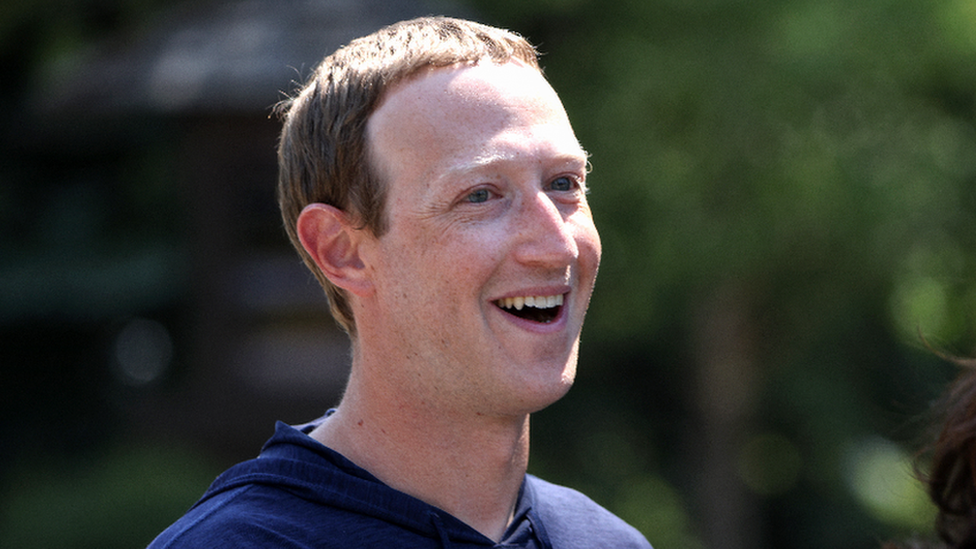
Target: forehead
point(470, 113)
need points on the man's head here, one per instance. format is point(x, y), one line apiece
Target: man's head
point(324, 150)
point(473, 300)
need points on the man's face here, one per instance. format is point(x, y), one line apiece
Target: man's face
point(485, 273)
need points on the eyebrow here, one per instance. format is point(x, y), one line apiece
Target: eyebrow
point(483, 161)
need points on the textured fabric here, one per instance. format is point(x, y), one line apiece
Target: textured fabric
point(299, 494)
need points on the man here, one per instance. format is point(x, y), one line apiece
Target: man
point(431, 180)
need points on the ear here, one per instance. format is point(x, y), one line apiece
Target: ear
point(333, 243)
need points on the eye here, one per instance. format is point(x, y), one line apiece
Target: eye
point(565, 184)
point(478, 196)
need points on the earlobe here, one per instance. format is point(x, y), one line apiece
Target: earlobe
point(333, 243)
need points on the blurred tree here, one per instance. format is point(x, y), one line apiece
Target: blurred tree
point(89, 233)
point(786, 196)
point(89, 238)
point(785, 192)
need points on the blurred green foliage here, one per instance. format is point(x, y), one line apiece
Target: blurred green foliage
point(116, 498)
point(819, 159)
point(806, 166)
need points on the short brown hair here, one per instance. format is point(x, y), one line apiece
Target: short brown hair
point(323, 149)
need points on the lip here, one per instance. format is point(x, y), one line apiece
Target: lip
point(558, 323)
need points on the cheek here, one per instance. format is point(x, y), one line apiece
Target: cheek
point(588, 241)
point(596, 244)
point(467, 252)
point(435, 269)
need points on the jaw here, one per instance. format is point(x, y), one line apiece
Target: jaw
point(542, 354)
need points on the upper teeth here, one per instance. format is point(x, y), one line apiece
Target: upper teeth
point(539, 302)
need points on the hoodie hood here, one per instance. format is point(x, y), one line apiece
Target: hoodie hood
point(293, 462)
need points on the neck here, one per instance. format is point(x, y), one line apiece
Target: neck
point(469, 465)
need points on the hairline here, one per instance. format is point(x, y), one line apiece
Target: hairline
point(375, 167)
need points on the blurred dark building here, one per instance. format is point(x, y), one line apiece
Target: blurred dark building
point(190, 314)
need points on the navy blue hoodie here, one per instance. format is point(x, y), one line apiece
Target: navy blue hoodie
point(300, 494)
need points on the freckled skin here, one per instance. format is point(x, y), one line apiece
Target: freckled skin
point(485, 202)
point(445, 259)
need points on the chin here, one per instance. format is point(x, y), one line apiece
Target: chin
point(542, 396)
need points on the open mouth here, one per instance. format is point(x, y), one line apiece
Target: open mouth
point(543, 309)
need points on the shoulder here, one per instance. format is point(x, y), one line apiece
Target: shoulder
point(223, 521)
point(244, 517)
point(573, 520)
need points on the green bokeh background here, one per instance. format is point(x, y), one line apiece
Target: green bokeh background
point(786, 193)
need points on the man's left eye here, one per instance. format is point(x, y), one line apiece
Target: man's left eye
point(478, 196)
point(562, 184)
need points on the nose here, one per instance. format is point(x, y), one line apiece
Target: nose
point(546, 233)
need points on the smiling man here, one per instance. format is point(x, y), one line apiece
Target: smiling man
point(430, 178)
